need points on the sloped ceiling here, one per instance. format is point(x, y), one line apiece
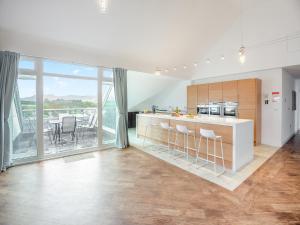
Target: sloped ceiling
point(142, 87)
point(140, 35)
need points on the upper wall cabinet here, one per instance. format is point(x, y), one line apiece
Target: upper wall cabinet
point(215, 92)
point(247, 94)
point(202, 94)
point(230, 92)
point(192, 99)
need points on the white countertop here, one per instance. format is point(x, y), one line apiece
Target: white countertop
point(225, 121)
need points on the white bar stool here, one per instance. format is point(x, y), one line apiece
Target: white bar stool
point(170, 130)
point(210, 135)
point(149, 125)
point(181, 129)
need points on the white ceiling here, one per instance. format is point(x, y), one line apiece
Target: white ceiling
point(146, 33)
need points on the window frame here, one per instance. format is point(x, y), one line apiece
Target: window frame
point(39, 73)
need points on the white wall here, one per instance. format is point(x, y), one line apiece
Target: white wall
point(271, 31)
point(145, 90)
point(271, 113)
point(171, 96)
point(288, 115)
point(297, 89)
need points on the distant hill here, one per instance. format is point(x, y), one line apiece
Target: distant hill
point(67, 98)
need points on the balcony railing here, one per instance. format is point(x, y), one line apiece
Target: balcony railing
point(86, 130)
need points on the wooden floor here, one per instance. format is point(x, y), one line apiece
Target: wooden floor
point(129, 187)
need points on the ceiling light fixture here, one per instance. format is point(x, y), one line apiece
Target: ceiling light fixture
point(157, 72)
point(207, 61)
point(222, 57)
point(102, 5)
point(174, 68)
point(242, 55)
point(195, 64)
point(184, 67)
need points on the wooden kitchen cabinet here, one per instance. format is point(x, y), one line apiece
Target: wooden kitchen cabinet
point(202, 94)
point(192, 99)
point(215, 92)
point(247, 94)
point(230, 91)
point(249, 100)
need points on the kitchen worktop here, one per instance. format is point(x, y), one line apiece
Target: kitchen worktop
point(225, 121)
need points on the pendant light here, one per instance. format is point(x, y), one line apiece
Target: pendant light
point(102, 5)
point(242, 50)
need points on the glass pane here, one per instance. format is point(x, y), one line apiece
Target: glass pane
point(26, 64)
point(69, 69)
point(105, 89)
point(70, 114)
point(108, 113)
point(107, 74)
point(23, 118)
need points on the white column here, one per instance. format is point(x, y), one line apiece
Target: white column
point(39, 108)
point(100, 130)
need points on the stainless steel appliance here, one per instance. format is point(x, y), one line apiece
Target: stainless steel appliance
point(202, 109)
point(230, 109)
point(215, 109)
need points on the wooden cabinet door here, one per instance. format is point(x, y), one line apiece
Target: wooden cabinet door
point(215, 92)
point(202, 94)
point(230, 91)
point(192, 97)
point(247, 94)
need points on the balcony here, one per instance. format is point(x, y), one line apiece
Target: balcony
point(56, 137)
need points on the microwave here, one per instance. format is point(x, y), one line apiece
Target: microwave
point(203, 110)
point(215, 109)
point(230, 109)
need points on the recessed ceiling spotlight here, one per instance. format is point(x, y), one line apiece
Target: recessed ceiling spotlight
point(184, 67)
point(174, 68)
point(222, 57)
point(195, 64)
point(207, 60)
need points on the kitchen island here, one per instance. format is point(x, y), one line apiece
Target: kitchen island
point(237, 135)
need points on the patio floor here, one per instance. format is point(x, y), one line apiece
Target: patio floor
point(25, 144)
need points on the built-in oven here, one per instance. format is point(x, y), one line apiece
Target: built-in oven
point(230, 109)
point(202, 109)
point(215, 109)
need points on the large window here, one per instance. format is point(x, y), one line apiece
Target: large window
point(108, 108)
point(70, 114)
point(56, 107)
point(23, 118)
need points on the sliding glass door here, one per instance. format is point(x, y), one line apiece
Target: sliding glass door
point(108, 108)
point(56, 109)
point(23, 118)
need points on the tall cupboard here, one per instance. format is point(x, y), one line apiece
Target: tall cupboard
point(247, 93)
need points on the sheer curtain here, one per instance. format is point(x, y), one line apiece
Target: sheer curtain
point(120, 85)
point(8, 75)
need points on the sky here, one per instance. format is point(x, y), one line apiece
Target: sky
point(59, 86)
